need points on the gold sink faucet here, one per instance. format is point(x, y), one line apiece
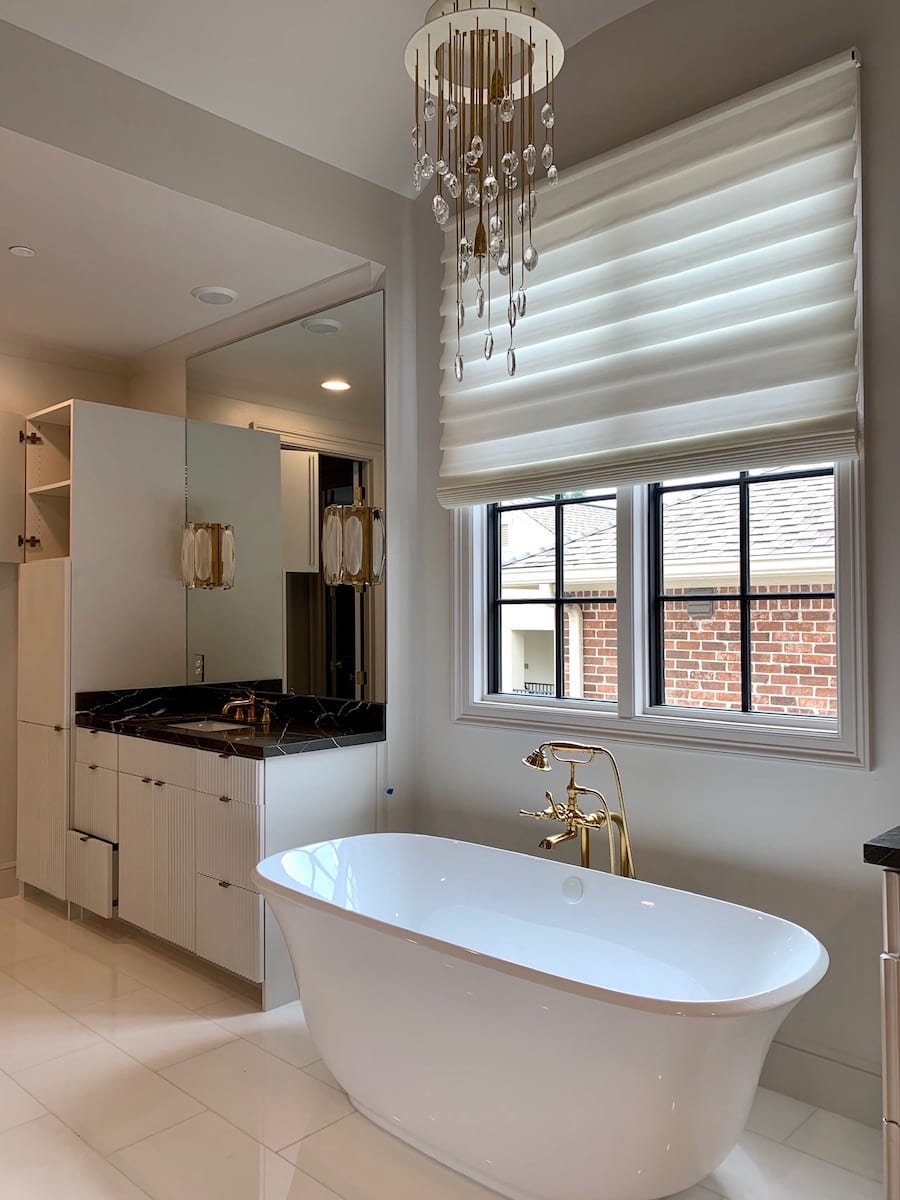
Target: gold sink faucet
point(577, 822)
point(242, 710)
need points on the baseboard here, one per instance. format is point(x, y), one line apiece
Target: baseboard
point(850, 1091)
point(8, 885)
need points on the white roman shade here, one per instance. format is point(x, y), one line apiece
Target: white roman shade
point(695, 308)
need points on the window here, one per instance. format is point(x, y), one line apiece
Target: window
point(696, 342)
point(714, 610)
point(742, 601)
point(552, 580)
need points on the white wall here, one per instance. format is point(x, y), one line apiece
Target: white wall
point(27, 385)
point(780, 836)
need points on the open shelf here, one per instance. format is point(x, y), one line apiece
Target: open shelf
point(61, 489)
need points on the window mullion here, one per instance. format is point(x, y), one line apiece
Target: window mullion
point(744, 519)
point(631, 609)
point(559, 612)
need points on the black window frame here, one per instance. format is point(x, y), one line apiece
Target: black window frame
point(743, 594)
point(495, 603)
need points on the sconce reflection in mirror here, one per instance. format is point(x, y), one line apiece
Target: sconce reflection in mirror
point(353, 545)
point(207, 555)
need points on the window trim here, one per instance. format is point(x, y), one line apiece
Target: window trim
point(842, 741)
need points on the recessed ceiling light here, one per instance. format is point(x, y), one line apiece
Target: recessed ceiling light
point(22, 251)
point(321, 325)
point(336, 385)
point(214, 295)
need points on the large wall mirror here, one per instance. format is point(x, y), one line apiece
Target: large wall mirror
point(269, 448)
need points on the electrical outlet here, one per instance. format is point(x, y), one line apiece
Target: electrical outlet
point(199, 668)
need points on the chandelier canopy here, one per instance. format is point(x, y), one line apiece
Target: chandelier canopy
point(482, 71)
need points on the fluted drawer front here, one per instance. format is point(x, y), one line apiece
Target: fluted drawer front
point(229, 927)
point(228, 775)
point(95, 803)
point(227, 838)
point(171, 764)
point(91, 873)
point(97, 747)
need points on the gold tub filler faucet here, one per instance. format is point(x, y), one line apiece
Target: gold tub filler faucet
point(577, 822)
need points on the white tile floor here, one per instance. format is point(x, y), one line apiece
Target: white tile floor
point(125, 1073)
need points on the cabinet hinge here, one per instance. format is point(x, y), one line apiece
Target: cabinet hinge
point(33, 439)
point(360, 677)
point(32, 542)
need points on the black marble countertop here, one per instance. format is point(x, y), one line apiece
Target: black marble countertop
point(884, 850)
point(299, 724)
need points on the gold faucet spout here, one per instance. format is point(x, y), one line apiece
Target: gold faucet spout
point(555, 839)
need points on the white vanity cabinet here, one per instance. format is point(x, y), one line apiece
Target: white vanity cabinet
point(156, 839)
point(192, 824)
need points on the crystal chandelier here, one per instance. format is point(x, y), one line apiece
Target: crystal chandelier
point(479, 68)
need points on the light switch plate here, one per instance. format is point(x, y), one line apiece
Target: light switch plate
point(199, 668)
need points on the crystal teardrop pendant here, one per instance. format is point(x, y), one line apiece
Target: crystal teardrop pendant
point(441, 210)
point(471, 158)
point(463, 269)
point(427, 164)
point(458, 368)
point(452, 115)
point(529, 257)
point(488, 344)
point(512, 314)
point(414, 137)
point(441, 167)
point(507, 109)
point(553, 176)
point(548, 116)
point(491, 187)
point(511, 361)
point(547, 155)
point(512, 182)
point(417, 177)
point(521, 302)
point(503, 262)
point(496, 225)
point(429, 108)
point(495, 246)
point(454, 187)
point(529, 158)
point(465, 248)
point(479, 303)
point(473, 196)
point(477, 145)
point(460, 314)
point(509, 162)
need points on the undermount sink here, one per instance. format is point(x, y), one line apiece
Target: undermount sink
point(207, 725)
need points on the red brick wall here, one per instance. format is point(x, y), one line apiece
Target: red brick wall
point(793, 653)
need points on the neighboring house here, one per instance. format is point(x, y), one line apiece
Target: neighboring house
point(793, 641)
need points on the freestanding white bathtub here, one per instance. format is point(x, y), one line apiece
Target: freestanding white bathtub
point(552, 1032)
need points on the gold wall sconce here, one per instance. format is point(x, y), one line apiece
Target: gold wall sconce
point(207, 555)
point(353, 545)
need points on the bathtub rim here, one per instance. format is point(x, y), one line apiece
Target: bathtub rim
point(282, 887)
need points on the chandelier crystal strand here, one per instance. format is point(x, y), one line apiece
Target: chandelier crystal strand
point(474, 66)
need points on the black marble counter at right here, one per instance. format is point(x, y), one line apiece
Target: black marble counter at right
point(884, 850)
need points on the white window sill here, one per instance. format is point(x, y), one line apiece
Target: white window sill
point(771, 737)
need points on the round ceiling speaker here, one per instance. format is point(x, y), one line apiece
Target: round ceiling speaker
point(321, 325)
point(214, 295)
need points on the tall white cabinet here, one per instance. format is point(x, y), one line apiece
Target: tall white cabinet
point(101, 603)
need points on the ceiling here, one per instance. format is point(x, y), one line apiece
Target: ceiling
point(117, 256)
point(285, 367)
point(326, 79)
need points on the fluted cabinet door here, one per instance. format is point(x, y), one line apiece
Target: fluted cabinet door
point(43, 801)
point(136, 851)
point(173, 868)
